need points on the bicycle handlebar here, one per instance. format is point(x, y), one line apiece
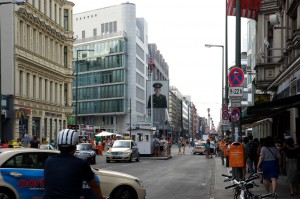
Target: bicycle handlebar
point(231, 186)
point(226, 176)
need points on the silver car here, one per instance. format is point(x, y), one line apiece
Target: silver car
point(123, 150)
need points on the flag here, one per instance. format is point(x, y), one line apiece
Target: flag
point(151, 63)
point(249, 8)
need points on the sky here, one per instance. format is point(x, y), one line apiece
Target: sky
point(180, 29)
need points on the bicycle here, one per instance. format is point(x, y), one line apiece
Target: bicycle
point(242, 188)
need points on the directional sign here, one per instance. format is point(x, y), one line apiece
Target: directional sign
point(236, 77)
point(235, 114)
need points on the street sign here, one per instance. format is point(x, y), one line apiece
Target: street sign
point(225, 115)
point(235, 102)
point(235, 92)
point(235, 114)
point(236, 77)
point(225, 107)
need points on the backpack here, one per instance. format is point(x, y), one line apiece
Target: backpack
point(252, 150)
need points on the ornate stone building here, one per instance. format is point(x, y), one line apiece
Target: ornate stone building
point(36, 60)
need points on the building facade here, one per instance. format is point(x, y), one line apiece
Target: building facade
point(110, 61)
point(37, 63)
point(277, 68)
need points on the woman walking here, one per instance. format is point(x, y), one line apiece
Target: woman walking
point(269, 157)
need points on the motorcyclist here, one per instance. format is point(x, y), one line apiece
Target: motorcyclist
point(65, 173)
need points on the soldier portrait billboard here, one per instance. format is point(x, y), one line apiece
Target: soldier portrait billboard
point(158, 92)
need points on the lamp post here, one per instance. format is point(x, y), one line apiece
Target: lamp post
point(76, 88)
point(223, 70)
point(18, 2)
point(129, 110)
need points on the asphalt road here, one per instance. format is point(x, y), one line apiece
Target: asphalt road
point(182, 176)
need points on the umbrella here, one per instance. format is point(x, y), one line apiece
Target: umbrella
point(103, 134)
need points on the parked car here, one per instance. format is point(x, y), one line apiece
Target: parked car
point(86, 152)
point(47, 147)
point(123, 150)
point(199, 148)
point(22, 176)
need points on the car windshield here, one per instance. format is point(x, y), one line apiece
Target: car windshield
point(200, 144)
point(84, 147)
point(121, 144)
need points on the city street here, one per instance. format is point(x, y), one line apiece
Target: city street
point(182, 176)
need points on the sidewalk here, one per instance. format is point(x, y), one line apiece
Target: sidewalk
point(218, 185)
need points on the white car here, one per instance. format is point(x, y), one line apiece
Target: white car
point(123, 150)
point(22, 177)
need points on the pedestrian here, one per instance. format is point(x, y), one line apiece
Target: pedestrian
point(212, 147)
point(65, 173)
point(259, 168)
point(156, 145)
point(222, 146)
point(270, 157)
point(207, 148)
point(4, 143)
point(183, 146)
point(34, 143)
point(291, 151)
point(179, 144)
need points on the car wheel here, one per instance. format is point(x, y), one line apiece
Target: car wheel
point(130, 159)
point(137, 158)
point(107, 161)
point(6, 194)
point(123, 193)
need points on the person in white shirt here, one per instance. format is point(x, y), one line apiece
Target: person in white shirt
point(212, 147)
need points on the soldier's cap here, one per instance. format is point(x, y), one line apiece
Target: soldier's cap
point(157, 85)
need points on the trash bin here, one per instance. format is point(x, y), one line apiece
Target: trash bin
point(237, 155)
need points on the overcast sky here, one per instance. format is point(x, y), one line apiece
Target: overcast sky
point(180, 29)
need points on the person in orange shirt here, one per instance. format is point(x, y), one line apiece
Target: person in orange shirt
point(222, 148)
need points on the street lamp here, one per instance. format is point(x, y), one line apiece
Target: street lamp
point(129, 110)
point(18, 2)
point(226, 78)
point(76, 88)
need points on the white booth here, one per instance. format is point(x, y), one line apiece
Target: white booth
point(143, 134)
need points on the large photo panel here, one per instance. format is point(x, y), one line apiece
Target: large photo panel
point(159, 90)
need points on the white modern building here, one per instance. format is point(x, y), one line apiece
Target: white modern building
point(110, 63)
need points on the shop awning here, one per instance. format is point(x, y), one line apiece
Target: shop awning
point(270, 109)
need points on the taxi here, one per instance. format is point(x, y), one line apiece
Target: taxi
point(22, 177)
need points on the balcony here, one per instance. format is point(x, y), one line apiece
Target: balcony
point(265, 74)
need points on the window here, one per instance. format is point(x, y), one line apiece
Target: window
point(50, 6)
point(28, 85)
point(21, 84)
point(65, 56)
point(139, 137)
point(66, 19)
point(45, 7)
point(34, 87)
point(95, 32)
point(59, 16)
point(55, 12)
point(40, 88)
point(83, 34)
